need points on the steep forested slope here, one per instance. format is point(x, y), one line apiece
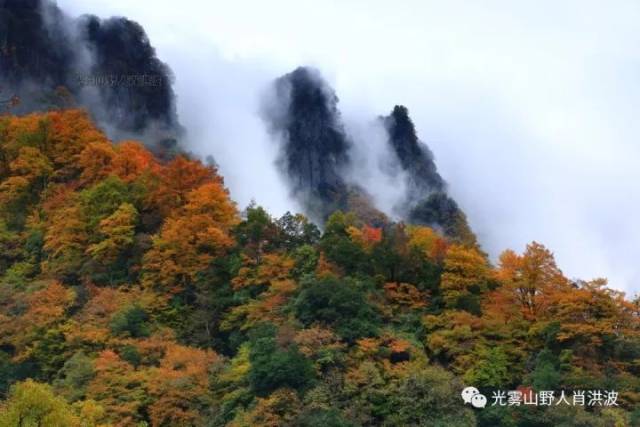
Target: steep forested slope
point(133, 291)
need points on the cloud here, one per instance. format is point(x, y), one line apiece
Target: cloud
point(375, 167)
point(219, 101)
point(529, 107)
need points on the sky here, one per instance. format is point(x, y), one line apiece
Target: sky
point(529, 107)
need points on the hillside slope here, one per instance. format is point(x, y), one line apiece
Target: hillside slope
point(133, 291)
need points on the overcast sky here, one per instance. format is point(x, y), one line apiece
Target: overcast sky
point(530, 107)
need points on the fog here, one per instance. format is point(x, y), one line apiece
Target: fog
point(375, 167)
point(218, 104)
point(529, 107)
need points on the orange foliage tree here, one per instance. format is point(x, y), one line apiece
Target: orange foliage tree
point(532, 277)
point(179, 386)
point(191, 239)
point(118, 387)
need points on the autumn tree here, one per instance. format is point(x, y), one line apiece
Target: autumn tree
point(118, 388)
point(191, 239)
point(48, 305)
point(70, 132)
point(451, 338)
point(430, 243)
point(176, 180)
point(66, 240)
point(117, 233)
point(37, 334)
point(29, 171)
point(465, 277)
point(366, 237)
point(532, 277)
point(179, 386)
point(592, 318)
point(34, 404)
point(280, 408)
point(402, 295)
point(96, 161)
point(272, 286)
point(117, 230)
point(33, 166)
point(211, 317)
point(131, 161)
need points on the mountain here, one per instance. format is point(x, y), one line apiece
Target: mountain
point(134, 292)
point(109, 67)
point(315, 157)
point(414, 156)
point(302, 112)
point(426, 200)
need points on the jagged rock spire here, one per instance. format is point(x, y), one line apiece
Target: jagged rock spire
point(314, 151)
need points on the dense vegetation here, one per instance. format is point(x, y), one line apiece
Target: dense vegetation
point(133, 292)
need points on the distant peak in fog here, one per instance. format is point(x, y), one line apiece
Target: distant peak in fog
point(381, 163)
point(106, 66)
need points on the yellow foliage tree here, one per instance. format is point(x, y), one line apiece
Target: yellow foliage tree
point(466, 272)
point(34, 404)
point(118, 231)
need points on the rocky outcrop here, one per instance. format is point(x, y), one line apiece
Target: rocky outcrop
point(302, 113)
point(106, 66)
point(415, 157)
point(426, 201)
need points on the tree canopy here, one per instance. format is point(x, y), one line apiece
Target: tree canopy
point(133, 292)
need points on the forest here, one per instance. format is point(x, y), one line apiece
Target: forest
point(135, 292)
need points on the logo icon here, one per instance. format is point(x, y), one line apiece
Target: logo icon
point(472, 395)
point(479, 401)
